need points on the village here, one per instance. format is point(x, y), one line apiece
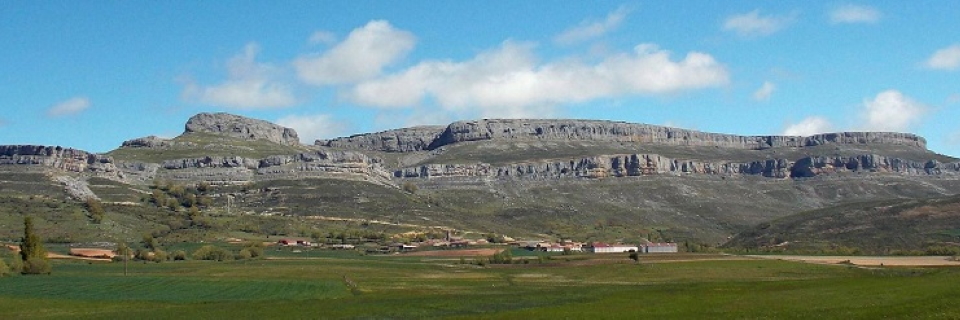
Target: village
point(449, 242)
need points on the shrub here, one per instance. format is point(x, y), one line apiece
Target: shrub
point(4, 269)
point(179, 255)
point(409, 187)
point(16, 265)
point(210, 252)
point(36, 265)
point(160, 256)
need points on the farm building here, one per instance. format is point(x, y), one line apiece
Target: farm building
point(599, 247)
point(295, 242)
point(659, 247)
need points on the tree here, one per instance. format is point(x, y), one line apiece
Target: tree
point(95, 209)
point(32, 252)
point(124, 251)
point(635, 257)
point(409, 187)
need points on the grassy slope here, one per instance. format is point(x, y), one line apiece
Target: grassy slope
point(873, 225)
point(404, 287)
point(195, 145)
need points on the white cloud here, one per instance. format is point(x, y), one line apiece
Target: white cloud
point(509, 81)
point(891, 111)
point(69, 107)
point(323, 37)
point(312, 127)
point(764, 92)
point(945, 59)
point(752, 24)
point(589, 29)
point(365, 52)
point(808, 127)
point(851, 13)
point(249, 85)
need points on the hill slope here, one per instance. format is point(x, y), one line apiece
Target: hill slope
point(586, 179)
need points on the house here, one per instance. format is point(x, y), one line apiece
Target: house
point(656, 247)
point(600, 247)
point(294, 242)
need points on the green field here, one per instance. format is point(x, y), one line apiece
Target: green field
point(349, 285)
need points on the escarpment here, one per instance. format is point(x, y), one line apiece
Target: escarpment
point(430, 138)
point(653, 164)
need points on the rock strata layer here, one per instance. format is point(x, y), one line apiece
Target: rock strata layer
point(430, 138)
point(652, 164)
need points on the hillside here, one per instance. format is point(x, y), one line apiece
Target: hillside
point(874, 226)
point(586, 179)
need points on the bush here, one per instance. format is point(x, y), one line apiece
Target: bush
point(210, 252)
point(36, 265)
point(179, 255)
point(160, 256)
point(4, 269)
point(16, 265)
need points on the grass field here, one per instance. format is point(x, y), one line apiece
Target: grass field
point(352, 286)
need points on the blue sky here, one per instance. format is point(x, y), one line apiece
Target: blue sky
point(89, 75)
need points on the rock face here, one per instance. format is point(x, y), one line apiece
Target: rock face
point(321, 163)
point(425, 138)
point(241, 127)
point(652, 164)
point(147, 142)
point(400, 140)
point(65, 159)
point(593, 130)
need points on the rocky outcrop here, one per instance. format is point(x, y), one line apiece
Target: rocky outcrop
point(147, 142)
point(241, 127)
point(235, 169)
point(652, 164)
point(594, 130)
point(57, 157)
point(431, 138)
point(400, 140)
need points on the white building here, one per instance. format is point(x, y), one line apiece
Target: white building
point(659, 247)
point(600, 247)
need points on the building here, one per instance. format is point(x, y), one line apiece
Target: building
point(656, 247)
point(600, 247)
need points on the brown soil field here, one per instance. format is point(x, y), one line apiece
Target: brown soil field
point(912, 261)
point(92, 253)
point(454, 253)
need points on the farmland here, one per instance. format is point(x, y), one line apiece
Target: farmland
point(328, 284)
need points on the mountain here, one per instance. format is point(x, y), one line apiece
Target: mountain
point(586, 179)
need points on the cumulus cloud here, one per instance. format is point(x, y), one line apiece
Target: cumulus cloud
point(323, 37)
point(249, 85)
point(312, 127)
point(589, 29)
point(945, 59)
point(891, 110)
point(809, 126)
point(852, 13)
point(764, 92)
point(69, 107)
point(362, 55)
point(509, 80)
point(752, 24)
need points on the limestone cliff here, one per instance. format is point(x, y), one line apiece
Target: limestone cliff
point(653, 164)
point(430, 138)
point(399, 140)
point(241, 127)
